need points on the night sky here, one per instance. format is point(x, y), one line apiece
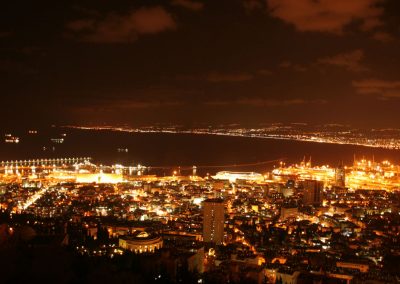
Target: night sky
point(192, 62)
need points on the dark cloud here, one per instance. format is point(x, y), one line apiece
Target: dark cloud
point(217, 77)
point(4, 34)
point(351, 61)
point(16, 67)
point(252, 5)
point(264, 72)
point(328, 15)
point(232, 60)
point(265, 102)
point(189, 4)
point(383, 36)
point(128, 105)
point(384, 89)
point(286, 64)
point(116, 28)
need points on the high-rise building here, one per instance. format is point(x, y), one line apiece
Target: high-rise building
point(313, 192)
point(213, 221)
point(340, 176)
point(288, 212)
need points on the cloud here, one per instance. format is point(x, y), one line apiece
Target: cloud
point(290, 65)
point(188, 4)
point(4, 34)
point(382, 88)
point(216, 77)
point(16, 67)
point(132, 104)
point(327, 15)
point(122, 105)
point(225, 77)
point(82, 25)
point(285, 64)
point(383, 37)
point(265, 102)
point(264, 72)
point(115, 28)
point(252, 5)
point(351, 61)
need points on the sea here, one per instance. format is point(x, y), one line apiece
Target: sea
point(167, 152)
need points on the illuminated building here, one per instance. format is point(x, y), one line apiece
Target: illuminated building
point(234, 176)
point(300, 172)
point(313, 192)
point(286, 191)
point(340, 176)
point(213, 221)
point(363, 174)
point(141, 242)
point(352, 265)
point(57, 140)
point(11, 139)
point(98, 178)
point(288, 212)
